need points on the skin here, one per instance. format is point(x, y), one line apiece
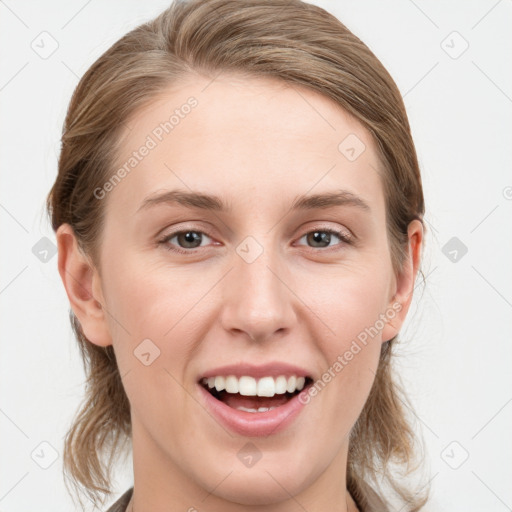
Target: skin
point(298, 302)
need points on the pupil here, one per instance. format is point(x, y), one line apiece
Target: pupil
point(321, 236)
point(191, 237)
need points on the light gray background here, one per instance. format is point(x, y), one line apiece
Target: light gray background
point(457, 348)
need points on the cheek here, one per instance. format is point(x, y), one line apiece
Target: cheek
point(352, 308)
point(139, 296)
point(153, 336)
point(155, 311)
point(349, 302)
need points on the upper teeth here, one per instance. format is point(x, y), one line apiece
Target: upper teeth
point(249, 386)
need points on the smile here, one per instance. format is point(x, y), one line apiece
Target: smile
point(254, 403)
point(268, 392)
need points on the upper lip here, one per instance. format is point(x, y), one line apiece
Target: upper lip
point(272, 369)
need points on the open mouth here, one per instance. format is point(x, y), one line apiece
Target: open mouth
point(255, 397)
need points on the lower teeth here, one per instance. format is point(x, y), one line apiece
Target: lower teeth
point(261, 409)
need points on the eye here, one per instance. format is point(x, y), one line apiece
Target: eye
point(322, 238)
point(188, 239)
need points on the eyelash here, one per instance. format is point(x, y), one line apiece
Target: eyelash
point(342, 235)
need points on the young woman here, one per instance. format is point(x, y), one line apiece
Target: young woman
point(238, 212)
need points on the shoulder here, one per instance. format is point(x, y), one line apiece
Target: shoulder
point(121, 504)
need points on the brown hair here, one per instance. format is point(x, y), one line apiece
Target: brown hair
point(297, 43)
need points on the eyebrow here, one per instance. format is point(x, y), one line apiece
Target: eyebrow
point(215, 203)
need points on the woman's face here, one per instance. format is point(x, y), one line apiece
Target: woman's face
point(274, 284)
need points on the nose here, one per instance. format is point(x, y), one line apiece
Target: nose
point(257, 299)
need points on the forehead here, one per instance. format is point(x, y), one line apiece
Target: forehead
point(242, 138)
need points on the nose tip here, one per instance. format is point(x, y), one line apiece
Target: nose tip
point(256, 301)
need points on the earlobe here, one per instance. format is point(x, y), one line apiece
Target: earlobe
point(405, 282)
point(81, 282)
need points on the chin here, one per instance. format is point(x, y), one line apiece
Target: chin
point(258, 485)
point(251, 487)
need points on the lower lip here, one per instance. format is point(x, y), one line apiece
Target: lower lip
point(253, 424)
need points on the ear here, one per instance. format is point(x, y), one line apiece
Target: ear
point(83, 287)
point(401, 300)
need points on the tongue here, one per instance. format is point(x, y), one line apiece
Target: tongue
point(254, 402)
